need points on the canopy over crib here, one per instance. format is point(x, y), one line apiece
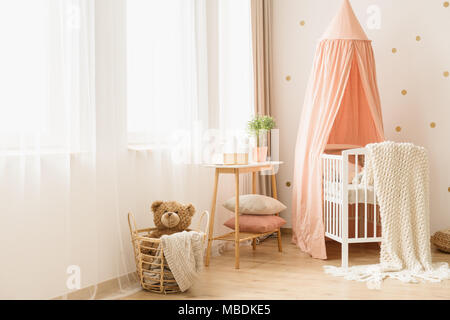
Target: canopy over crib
point(341, 110)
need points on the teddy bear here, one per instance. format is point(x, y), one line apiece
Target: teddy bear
point(171, 217)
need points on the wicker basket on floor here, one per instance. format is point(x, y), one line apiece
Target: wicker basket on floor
point(151, 265)
point(441, 240)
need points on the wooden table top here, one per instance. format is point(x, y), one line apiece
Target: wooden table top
point(239, 166)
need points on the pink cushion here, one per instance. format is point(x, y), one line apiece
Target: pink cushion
point(256, 224)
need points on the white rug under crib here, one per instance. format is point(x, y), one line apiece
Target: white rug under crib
point(399, 172)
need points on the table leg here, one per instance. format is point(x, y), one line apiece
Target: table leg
point(254, 177)
point(211, 219)
point(236, 221)
point(275, 196)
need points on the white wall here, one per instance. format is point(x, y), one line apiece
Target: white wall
point(417, 66)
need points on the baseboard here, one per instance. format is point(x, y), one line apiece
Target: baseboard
point(103, 289)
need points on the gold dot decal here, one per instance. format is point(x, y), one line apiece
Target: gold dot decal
point(446, 74)
point(288, 78)
point(288, 183)
point(418, 38)
point(404, 92)
point(448, 189)
point(433, 124)
point(398, 129)
point(302, 23)
point(394, 50)
point(446, 4)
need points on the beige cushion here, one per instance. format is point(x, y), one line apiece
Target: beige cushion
point(256, 224)
point(255, 204)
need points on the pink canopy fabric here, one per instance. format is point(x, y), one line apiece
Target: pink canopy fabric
point(341, 107)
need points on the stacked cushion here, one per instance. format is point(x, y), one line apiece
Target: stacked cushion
point(256, 223)
point(257, 213)
point(255, 204)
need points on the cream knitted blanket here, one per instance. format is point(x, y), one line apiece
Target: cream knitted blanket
point(184, 254)
point(399, 172)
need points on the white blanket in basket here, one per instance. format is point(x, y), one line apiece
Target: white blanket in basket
point(184, 254)
point(399, 172)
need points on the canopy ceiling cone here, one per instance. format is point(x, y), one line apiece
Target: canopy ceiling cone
point(345, 25)
point(341, 108)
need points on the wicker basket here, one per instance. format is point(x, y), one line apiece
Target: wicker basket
point(441, 240)
point(151, 265)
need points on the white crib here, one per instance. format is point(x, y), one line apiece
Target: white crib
point(350, 211)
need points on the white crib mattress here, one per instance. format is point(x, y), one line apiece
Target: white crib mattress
point(356, 193)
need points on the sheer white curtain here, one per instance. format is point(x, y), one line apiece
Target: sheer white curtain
point(235, 64)
point(62, 178)
point(166, 69)
point(47, 143)
point(168, 103)
point(179, 53)
point(67, 174)
point(230, 89)
point(48, 98)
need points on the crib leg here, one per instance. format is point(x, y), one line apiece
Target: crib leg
point(344, 255)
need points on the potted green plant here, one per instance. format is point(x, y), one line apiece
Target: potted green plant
point(258, 127)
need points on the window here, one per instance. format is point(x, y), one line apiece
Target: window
point(45, 78)
point(167, 59)
point(236, 91)
point(163, 68)
point(23, 65)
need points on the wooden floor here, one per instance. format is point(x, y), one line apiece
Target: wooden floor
point(268, 274)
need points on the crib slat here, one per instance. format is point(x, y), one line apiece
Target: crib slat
point(324, 195)
point(326, 201)
point(338, 183)
point(330, 205)
point(365, 206)
point(342, 200)
point(340, 177)
point(357, 199)
point(328, 195)
point(334, 196)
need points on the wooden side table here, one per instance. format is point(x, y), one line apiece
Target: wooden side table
point(237, 236)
